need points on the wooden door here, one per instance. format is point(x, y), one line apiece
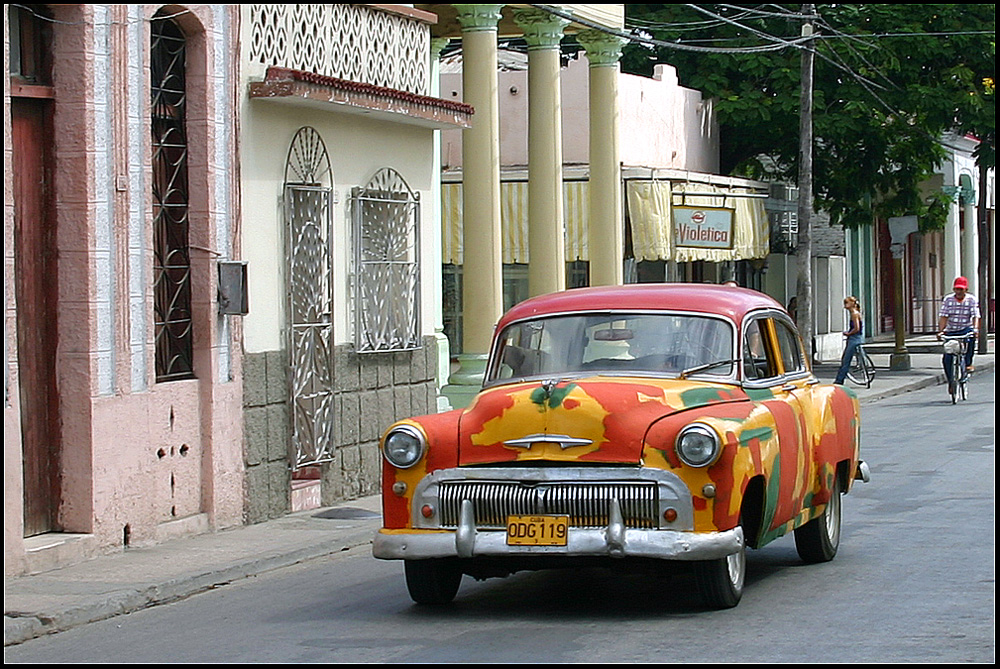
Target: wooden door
point(36, 295)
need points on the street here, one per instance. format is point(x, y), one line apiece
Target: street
point(913, 582)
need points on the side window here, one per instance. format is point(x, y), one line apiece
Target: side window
point(756, 364)
point(789, 348)
point(529, 349)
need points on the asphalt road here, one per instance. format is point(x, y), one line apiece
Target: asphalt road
point(913, 582)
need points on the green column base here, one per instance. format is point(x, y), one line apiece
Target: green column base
point(899, 361)
point(465, 383)
point(444, 363)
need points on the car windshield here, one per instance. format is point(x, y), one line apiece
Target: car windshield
point(620, 344)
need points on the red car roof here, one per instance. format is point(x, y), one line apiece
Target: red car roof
point(728, 301)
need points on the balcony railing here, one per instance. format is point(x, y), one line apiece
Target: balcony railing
point(352, 42)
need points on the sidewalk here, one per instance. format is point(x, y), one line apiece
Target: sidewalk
point(137, 578)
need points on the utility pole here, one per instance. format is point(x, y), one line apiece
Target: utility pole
point(803, 249)
point(985, 254)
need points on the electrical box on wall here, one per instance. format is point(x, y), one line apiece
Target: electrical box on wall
point(233, 298)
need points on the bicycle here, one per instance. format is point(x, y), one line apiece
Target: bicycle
point(862, 369)
point(958, 387)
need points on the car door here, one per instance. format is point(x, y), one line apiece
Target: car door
point(798, 389)
point(776, 375)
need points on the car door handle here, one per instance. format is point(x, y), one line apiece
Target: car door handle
point(789, 387)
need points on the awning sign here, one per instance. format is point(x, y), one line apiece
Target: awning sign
point(703, 227)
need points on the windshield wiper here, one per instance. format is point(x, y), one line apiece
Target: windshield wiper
point(701, 368)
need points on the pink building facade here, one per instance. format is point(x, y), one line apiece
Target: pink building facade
point(122, 374)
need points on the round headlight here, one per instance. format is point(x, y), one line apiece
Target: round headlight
point(697, 445)
point(403, 446)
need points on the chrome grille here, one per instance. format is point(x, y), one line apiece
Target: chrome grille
point(586, 503)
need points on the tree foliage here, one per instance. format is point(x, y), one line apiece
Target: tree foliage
point(890, 81)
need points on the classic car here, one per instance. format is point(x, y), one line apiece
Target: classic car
point(644, 425)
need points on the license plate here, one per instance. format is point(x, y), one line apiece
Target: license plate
point(537, 530)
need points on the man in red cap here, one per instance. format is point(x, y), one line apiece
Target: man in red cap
point(959, 316)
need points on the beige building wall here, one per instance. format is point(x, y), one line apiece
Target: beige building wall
point(358, 147)
point(362, 87)
point(662, 124)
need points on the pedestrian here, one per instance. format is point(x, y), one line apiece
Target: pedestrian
point(959, 316)
point(854, 334)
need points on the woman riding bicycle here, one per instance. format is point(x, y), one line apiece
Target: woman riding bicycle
point(959, 317)
point(854, 334)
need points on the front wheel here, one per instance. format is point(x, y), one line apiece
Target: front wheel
point(819, 539)
point(956, 376)
point(720, 581)
point(432, 581)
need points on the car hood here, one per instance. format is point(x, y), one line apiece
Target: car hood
point(598, 419)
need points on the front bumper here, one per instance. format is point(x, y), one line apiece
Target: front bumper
point(615, 540)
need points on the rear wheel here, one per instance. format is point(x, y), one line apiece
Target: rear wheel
point(854, 371)
point(869, 369)
point(819, 539)
point(432, 581)
point(861, 370)
point(721, 581)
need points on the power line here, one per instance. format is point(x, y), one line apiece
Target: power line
point(650, 41)
point(868, 85)
point(759, 33)
point(49, 19)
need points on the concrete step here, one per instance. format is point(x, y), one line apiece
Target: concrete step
point(886, 348)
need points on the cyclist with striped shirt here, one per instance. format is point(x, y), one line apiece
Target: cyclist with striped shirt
point(959, 316)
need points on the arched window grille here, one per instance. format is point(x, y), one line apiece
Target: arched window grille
point(387, 269)
point(171, 257)
point(308, 209)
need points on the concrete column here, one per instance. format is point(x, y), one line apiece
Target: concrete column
point(546, 239)
point(606, 234)
point(952, 261)
point(482, 286)
point(434, 273)
point(966, 197)
point(970, 244)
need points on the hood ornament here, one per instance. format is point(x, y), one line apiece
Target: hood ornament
point(550, 395)
point(565, 441)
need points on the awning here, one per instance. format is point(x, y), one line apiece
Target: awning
point(514, 221)
point(654, 234)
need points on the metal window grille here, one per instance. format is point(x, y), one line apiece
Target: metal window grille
point(171, 257)
point(387, 268)
point(307, 206)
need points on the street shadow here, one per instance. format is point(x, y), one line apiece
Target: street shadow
point(347, 513)
point(589, 593)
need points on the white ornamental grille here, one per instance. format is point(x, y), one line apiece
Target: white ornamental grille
point(351, 42)
point(387, 287)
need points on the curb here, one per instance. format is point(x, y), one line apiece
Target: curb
point(906, 388)
point(932, 380)
point(18, 629)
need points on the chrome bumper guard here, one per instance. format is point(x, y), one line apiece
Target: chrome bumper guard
point(615, 540)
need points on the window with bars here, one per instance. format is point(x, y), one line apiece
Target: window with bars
point(387, 281)
point(171, 256)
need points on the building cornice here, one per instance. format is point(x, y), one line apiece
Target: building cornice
point(298, 87)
